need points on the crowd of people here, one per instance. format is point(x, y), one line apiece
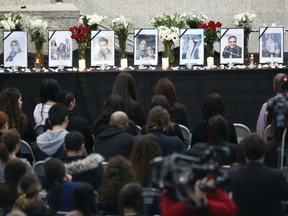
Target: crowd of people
point(104, 167)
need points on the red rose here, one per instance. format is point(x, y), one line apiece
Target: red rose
point(211, 23)
point(204, 26)
point(219, 24)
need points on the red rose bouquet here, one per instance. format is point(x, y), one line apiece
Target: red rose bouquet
point(211, 30)
point(82, 35)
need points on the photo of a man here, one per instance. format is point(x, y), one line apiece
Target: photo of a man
point(103, 52)
point(232, 50)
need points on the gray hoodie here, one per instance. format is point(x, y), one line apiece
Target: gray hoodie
point(50, 141)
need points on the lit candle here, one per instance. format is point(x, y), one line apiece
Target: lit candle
point(210, 62)
point(37, 65)
point(37, 60)
point(165, 63)
point(124, 63)
point(82, 64)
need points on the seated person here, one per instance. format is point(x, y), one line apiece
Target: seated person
point(50, 143)
point(257, 189)
point(82, 168)
point(114, 139)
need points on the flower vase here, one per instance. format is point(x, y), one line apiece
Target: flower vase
point(82, 56)
point(210, 49)
point(168, 51)
point(246, 40)
point(39, 53)
point(122, 45)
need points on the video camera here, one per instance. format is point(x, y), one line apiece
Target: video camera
point(180, 172)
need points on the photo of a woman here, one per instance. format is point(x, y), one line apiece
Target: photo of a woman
point(15, 49)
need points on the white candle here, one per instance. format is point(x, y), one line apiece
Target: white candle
point(82, 64)
point(210, 62)
point(124, 63)
point(165, 63)
point(272, 59)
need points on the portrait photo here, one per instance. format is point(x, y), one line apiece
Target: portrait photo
point(60, 49)
point(145, 47)
point(271, 44)
point(102, 48)
point(15, 49)
point(191, 46)
point(231, 46)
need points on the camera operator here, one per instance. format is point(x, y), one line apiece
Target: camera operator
point(214, 203)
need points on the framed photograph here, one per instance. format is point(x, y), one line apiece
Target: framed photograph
point(145, 47)
point(15, 49)
point(271, 44)
point(102, 48)
point(60, 49)
point(191, 46)
point(232, 45)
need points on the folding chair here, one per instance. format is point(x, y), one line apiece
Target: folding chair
point(39, 129)
point(241, 131)
point(38, 169)
point(268, 132)
point(27, 152)
point(187, 135)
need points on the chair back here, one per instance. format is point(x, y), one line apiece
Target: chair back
point(27, 152)
point(39, 129)
point(241, 131)
point(186, 135)
point(268, 133)
point(38, 169)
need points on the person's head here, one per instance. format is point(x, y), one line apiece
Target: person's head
point(49, 90)
point(55, 171)
point(67, 98)
point(67, 40)
point(11, 138)
point(130, 199)
point(159, 100)
point(53, 43)
point(37, 209)
point(143, 45)
point(280, 83)
point(213, 104)
point(15, 46)
point(84, 199)
point(3, 121)
point(29, 187)
point(74, 141)
point(58, 114)
point(150, 51)
point(112, 104)
point(103, 43)
point(218, 130)
point(232, 42)
point(253, 148)
point(143, 151)
point(158, 118)
point(164, 86)
point(119, 119)
point(191, 43)
point(125, 86)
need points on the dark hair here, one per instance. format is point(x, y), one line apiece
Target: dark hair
point(66, 97)
point(37, 209)
point(84, 199)
point(11, 138)
point(213, 104)
point(49, 90)
point(103, 39)
point(13, 171)
point(159, 100)
point(218, 130)
point(232, 36)
point(74, 140)
point(4, 154)
point(143, 151)
point(55, 171)
point(158, 118)
point(253, 147)
point(9, 104)
point(57, 114)
point(125, 86)
point(130, 196)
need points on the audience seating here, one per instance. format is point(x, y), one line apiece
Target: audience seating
point(268, 133)
point(187, 135)
point(241, 131)
point(27, 152)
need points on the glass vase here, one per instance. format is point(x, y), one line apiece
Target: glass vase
point(246, 40)
point(210, 49)
point(39, 58)
point(81, 50)
point(122, 45)
point(168, 51)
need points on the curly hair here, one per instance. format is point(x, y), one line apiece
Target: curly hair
point(212, 105)
point(144, 150)
point(117, 173)
point(9, 104)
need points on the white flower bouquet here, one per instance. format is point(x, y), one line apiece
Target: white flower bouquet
point(91, 21)
point(121, 26)
point(168, 34)
point(37, 28)
point(193, 19)
point(244, 20)
point(13, 21)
